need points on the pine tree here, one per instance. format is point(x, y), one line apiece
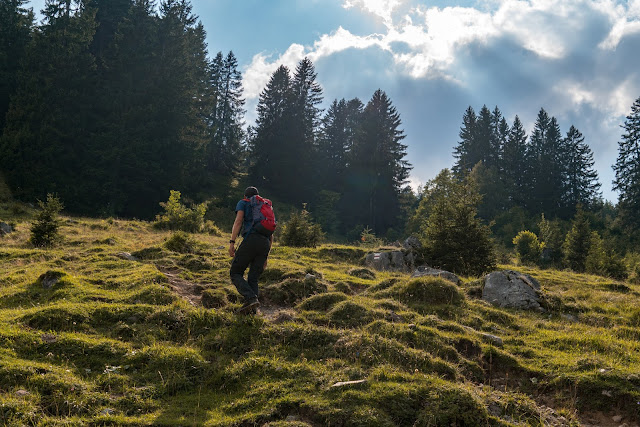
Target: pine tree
point(581, 184)
point(514, 163)
point(545, 174)
point(627, 169)
point(16, 24)
point(453, 237)
point(304, 127)
point(462, 152)
point(226, 117)
point(378, 169)
point(268, 154)
point(338, 131)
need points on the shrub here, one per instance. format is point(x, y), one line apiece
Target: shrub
point(577, 243)
point(528, 247)
point(368, 238)
point(181, 242)
point(44, 230)
point(604, 260)
point(551, 237)
point(300, 231)
point(177, 216)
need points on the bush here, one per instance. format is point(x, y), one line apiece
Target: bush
point(604, 260)
point(181, 242)
point(577, 243)
point(44, 230)
point(528, 247)
point(300, 231)
point(177, 216)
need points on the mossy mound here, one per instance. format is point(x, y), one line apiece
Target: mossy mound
point(322, 302)
point(362, 273)
point(425, 290)
point(214, 298)
point(352, 314)
point(292, 290)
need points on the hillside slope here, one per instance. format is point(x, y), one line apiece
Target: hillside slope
point(155, 340)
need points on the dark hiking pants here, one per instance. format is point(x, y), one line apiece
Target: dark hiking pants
point(252, 253)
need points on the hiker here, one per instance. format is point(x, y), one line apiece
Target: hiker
point(256, 222)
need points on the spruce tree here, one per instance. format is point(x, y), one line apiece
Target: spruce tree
point(627, 169)
point(378, 168)
point(581, 184)
point(454, 239)
point(268, 146)
point(338, 131)
point(463, 151)
point(16, 26)
point(514, 163)
point(225, 150)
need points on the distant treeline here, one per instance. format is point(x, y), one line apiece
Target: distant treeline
point(111, 104)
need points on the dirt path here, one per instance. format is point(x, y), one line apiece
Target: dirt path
point(190, 291)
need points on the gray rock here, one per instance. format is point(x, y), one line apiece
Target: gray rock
point(412, 244)
point(127, 256)
point(378, 260)
point(486, 337)
point(390, 261)
point(5, 228)
point(107, 411)
point(50, 278)
point(348, 383)
point(22, 393)
point(428, 271)
point(511, 289)
point(292, 418)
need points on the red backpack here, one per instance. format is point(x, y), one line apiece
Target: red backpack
point(264, 221)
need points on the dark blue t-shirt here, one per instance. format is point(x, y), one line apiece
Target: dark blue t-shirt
point(245, 206)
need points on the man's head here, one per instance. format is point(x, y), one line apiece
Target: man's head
point(250, 191)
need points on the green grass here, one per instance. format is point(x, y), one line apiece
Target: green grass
point(114, 342)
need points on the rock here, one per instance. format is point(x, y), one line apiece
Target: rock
point(607, 393)
point(310, 277)
point(50, 278)
point(617, 419)
point(428, 271)
point(511, 289)
point(569, 317)
point(412, 326)
point(127, 256)
point(107, 411)
point(395, 317)
point(391, 260)
point(292, 418)
point(5, 228)
point(22, 393)
point(412, 244)
point(486, 337)
point(348, 383)
point(49, 338)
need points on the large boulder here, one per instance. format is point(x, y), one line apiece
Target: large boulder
point(424, 270)
point(511, 289)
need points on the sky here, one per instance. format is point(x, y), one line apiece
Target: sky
point(577, 59)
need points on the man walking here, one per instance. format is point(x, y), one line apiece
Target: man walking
point(255, 222)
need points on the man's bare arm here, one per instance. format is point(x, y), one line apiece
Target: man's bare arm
point(235, 231)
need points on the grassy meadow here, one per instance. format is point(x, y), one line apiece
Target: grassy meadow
point(155, 341)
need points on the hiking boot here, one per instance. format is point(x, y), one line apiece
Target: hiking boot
point(249, 307)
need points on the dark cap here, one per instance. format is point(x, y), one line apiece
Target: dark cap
point(250, 191)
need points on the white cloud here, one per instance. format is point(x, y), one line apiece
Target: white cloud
point(380, 8)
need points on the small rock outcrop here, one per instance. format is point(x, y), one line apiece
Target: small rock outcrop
point(424, 270)
point(5, 228)
point(127, 256)
point(50, 278)
point(398, 260)
point(511, 289)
